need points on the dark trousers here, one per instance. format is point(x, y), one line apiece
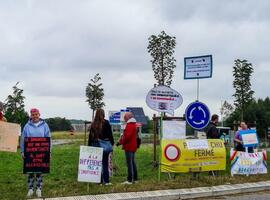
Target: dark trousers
point(31, 180)
point(131, 165)
point(105, 168)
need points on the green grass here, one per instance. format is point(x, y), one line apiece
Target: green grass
point(67, 135)
point(62, 181)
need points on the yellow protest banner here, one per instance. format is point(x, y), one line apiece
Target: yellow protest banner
point(9, 134)
point(193, 155)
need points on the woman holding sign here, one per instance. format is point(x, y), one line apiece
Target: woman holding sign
point(100, 135)
point(239, 146)
point(35, 128)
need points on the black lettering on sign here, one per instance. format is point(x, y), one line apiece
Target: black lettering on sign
point(203, 152)
point(37, 155)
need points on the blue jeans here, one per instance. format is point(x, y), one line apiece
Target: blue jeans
point(131, 165)
point(105, 165)
point(105, 168)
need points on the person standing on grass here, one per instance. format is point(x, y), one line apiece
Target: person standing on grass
point(35, 127)
point(212, 133)
point(2, 118)
point(129, 144)
point(101, 130)
point(238, 140)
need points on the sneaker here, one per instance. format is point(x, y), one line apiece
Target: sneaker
point(38, 193)
point(30, 193)
point(126, 183)
point(108, 183)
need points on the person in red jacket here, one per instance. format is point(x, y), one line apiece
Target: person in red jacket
point(2, 118)
point(129, 144)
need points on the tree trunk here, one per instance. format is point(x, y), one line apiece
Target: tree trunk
point(93, 112)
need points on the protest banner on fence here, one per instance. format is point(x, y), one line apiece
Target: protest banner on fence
point(37, 155)
point(248, 163)
point(173, 129)
point(90, 164)
point(9, 134)
point(193, 155)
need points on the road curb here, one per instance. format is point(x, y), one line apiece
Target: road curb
point(190, 193)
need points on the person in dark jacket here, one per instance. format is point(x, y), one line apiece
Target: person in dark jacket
point(101, 130)
point(212, 131)
point(129, 144)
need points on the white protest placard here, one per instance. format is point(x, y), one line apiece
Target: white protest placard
point(163, 99)
point(9, 134)
point(244, 163)
point(198, 67)
point(90, 164)
point(173, 129)
point(197, 144)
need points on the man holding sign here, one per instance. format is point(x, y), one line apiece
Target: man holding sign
point(35, 128)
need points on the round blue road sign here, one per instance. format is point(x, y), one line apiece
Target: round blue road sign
point(197, 115)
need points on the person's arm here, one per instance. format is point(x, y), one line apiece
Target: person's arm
point(237, 138)
point(48, 134)
point(90, 139)
point(110, 133)
point(23, 135)
point(238, 141)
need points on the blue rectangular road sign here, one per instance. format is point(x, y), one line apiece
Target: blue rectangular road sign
point(198, 67)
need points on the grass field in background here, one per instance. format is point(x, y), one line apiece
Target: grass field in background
point(62, 181)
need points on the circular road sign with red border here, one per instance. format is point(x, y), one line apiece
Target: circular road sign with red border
point(172, 152)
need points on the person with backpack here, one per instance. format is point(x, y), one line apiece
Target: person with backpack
point(129, 144)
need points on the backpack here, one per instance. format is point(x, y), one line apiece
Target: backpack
point(139, 140)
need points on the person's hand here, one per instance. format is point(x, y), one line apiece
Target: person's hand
point(23, 157)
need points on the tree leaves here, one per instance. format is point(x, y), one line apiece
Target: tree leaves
point(161, 48)
point(14, 106)
point(242, 72)
point(95, 93)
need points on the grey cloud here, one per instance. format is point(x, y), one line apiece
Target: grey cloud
point(55, 47)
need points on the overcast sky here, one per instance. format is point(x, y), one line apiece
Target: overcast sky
point(54, 47)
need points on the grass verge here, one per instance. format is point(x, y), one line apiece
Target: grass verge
point(62, 181)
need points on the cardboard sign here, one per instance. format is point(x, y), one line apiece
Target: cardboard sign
point(173, 129)
point(37, 155)
point(90, 164)
point(9, 134)
point(249, 138)
point(182, 156)
point(244, 163)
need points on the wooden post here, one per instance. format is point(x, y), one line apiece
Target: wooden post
point(85, 132)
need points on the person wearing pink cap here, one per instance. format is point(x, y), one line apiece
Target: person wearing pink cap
point(35, 127)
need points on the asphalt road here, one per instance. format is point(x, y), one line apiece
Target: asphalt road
point(248, 196)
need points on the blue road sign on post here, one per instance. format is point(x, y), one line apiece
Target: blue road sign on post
point(197, 115)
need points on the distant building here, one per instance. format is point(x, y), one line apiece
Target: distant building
point(138, 114)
